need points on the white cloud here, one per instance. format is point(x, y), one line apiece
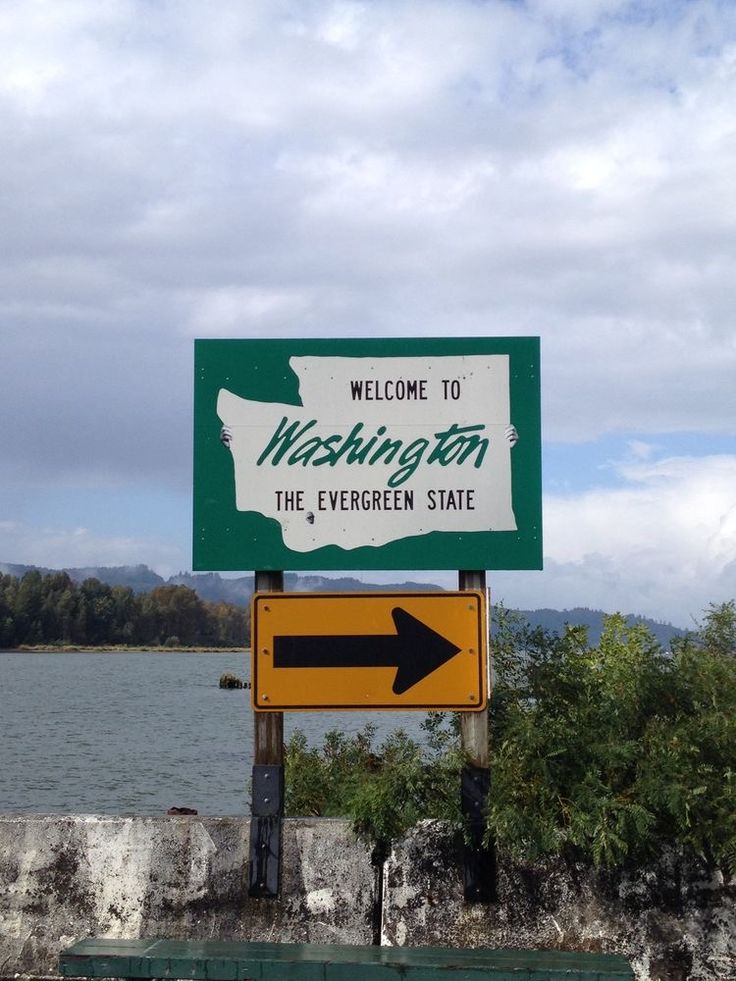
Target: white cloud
point(224, 312)
point(668, 508)
point(663, 544)
point(57, 548)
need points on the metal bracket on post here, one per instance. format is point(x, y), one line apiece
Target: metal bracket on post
point(265, 831)
point(479, 865)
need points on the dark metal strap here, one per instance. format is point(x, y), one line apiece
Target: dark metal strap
point(265, 831)
point(479, 861)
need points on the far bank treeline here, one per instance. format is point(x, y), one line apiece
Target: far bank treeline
point(53, 609)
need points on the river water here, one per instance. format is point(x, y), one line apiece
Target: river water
point(138, 732)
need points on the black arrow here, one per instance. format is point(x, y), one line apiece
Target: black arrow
point(415, 650)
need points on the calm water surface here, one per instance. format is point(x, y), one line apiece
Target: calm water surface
point(137, 732)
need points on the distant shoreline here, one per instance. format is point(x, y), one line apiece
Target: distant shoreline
point(117, 649)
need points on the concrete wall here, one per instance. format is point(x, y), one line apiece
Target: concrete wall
point(62, 878)
point(673, 923)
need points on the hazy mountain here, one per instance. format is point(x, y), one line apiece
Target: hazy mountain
point(211, 586)
point(139, 577)
point(556, 620)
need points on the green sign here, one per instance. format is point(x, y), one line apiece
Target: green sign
point(400, 453)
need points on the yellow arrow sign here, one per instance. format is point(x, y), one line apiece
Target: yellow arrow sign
point(369, 650)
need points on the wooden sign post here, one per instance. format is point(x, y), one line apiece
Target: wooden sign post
point(479, 867)
point(267, 790)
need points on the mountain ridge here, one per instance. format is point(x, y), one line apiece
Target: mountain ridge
point(212, 587)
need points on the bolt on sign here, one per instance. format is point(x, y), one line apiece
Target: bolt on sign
point(411, 453)
point(369, 650)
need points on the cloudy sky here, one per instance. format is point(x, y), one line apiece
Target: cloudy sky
point(173, 169)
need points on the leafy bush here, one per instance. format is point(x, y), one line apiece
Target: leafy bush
point(384, 789)
point(605, 754)
point(609, 753)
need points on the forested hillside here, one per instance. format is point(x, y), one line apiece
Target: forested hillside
point(53, 609)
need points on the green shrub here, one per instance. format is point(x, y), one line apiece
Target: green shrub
point(611, 753)
point(384, 789)
point(605, 754)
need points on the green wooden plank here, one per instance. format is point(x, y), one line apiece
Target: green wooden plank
point(213, 960)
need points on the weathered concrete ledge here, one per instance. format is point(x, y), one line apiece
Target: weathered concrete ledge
point(672, 922)
point(63, 878)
